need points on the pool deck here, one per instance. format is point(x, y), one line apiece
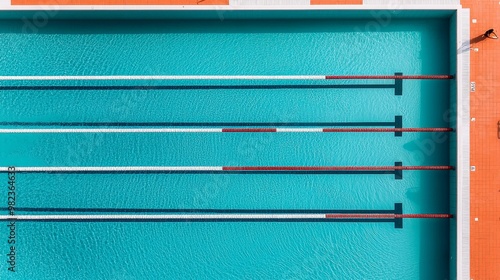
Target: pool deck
point(485, 141)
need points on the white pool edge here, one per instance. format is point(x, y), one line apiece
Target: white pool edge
point(463, 147)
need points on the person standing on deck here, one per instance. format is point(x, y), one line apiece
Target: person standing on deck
point(490, 33)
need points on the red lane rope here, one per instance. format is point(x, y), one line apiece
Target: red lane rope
point(444, 129)
point(391, 77)
point(249, 130)
point(424, 216)
point(333, 168)
point(388, 216)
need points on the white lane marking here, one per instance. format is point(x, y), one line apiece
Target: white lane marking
point(112, 168)
point(111, 130)
point(166, 77)
point(140, 130)
point(159, 217)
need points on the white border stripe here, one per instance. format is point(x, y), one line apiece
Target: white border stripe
point(165, 77)
point(144, 130)
point(159, 217)
point(463, 145)
point(113, 168)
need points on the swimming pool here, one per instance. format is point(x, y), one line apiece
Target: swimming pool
point(159, 250)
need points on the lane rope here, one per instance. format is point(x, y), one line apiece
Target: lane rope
point(217, 168)
point(216, 130)
point(228, 77)
point(223, 217)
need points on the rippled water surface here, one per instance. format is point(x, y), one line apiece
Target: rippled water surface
point(222, 250)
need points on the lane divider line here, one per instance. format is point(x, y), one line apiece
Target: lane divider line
point(228, 77)
point(217, 130)
point(224, 217)
point(217, 168)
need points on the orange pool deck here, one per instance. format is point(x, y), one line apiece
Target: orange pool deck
point(485, 141)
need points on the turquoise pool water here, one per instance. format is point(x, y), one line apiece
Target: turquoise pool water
point(227, 250)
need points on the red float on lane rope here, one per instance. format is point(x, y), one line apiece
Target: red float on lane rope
point(333, 168)
point(249, 130)
point(390, 77)
point(388, 216)
point(445, 129)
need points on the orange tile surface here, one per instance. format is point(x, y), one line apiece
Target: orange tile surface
point(119, 2)
point(336, 2)
point(485, 141)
